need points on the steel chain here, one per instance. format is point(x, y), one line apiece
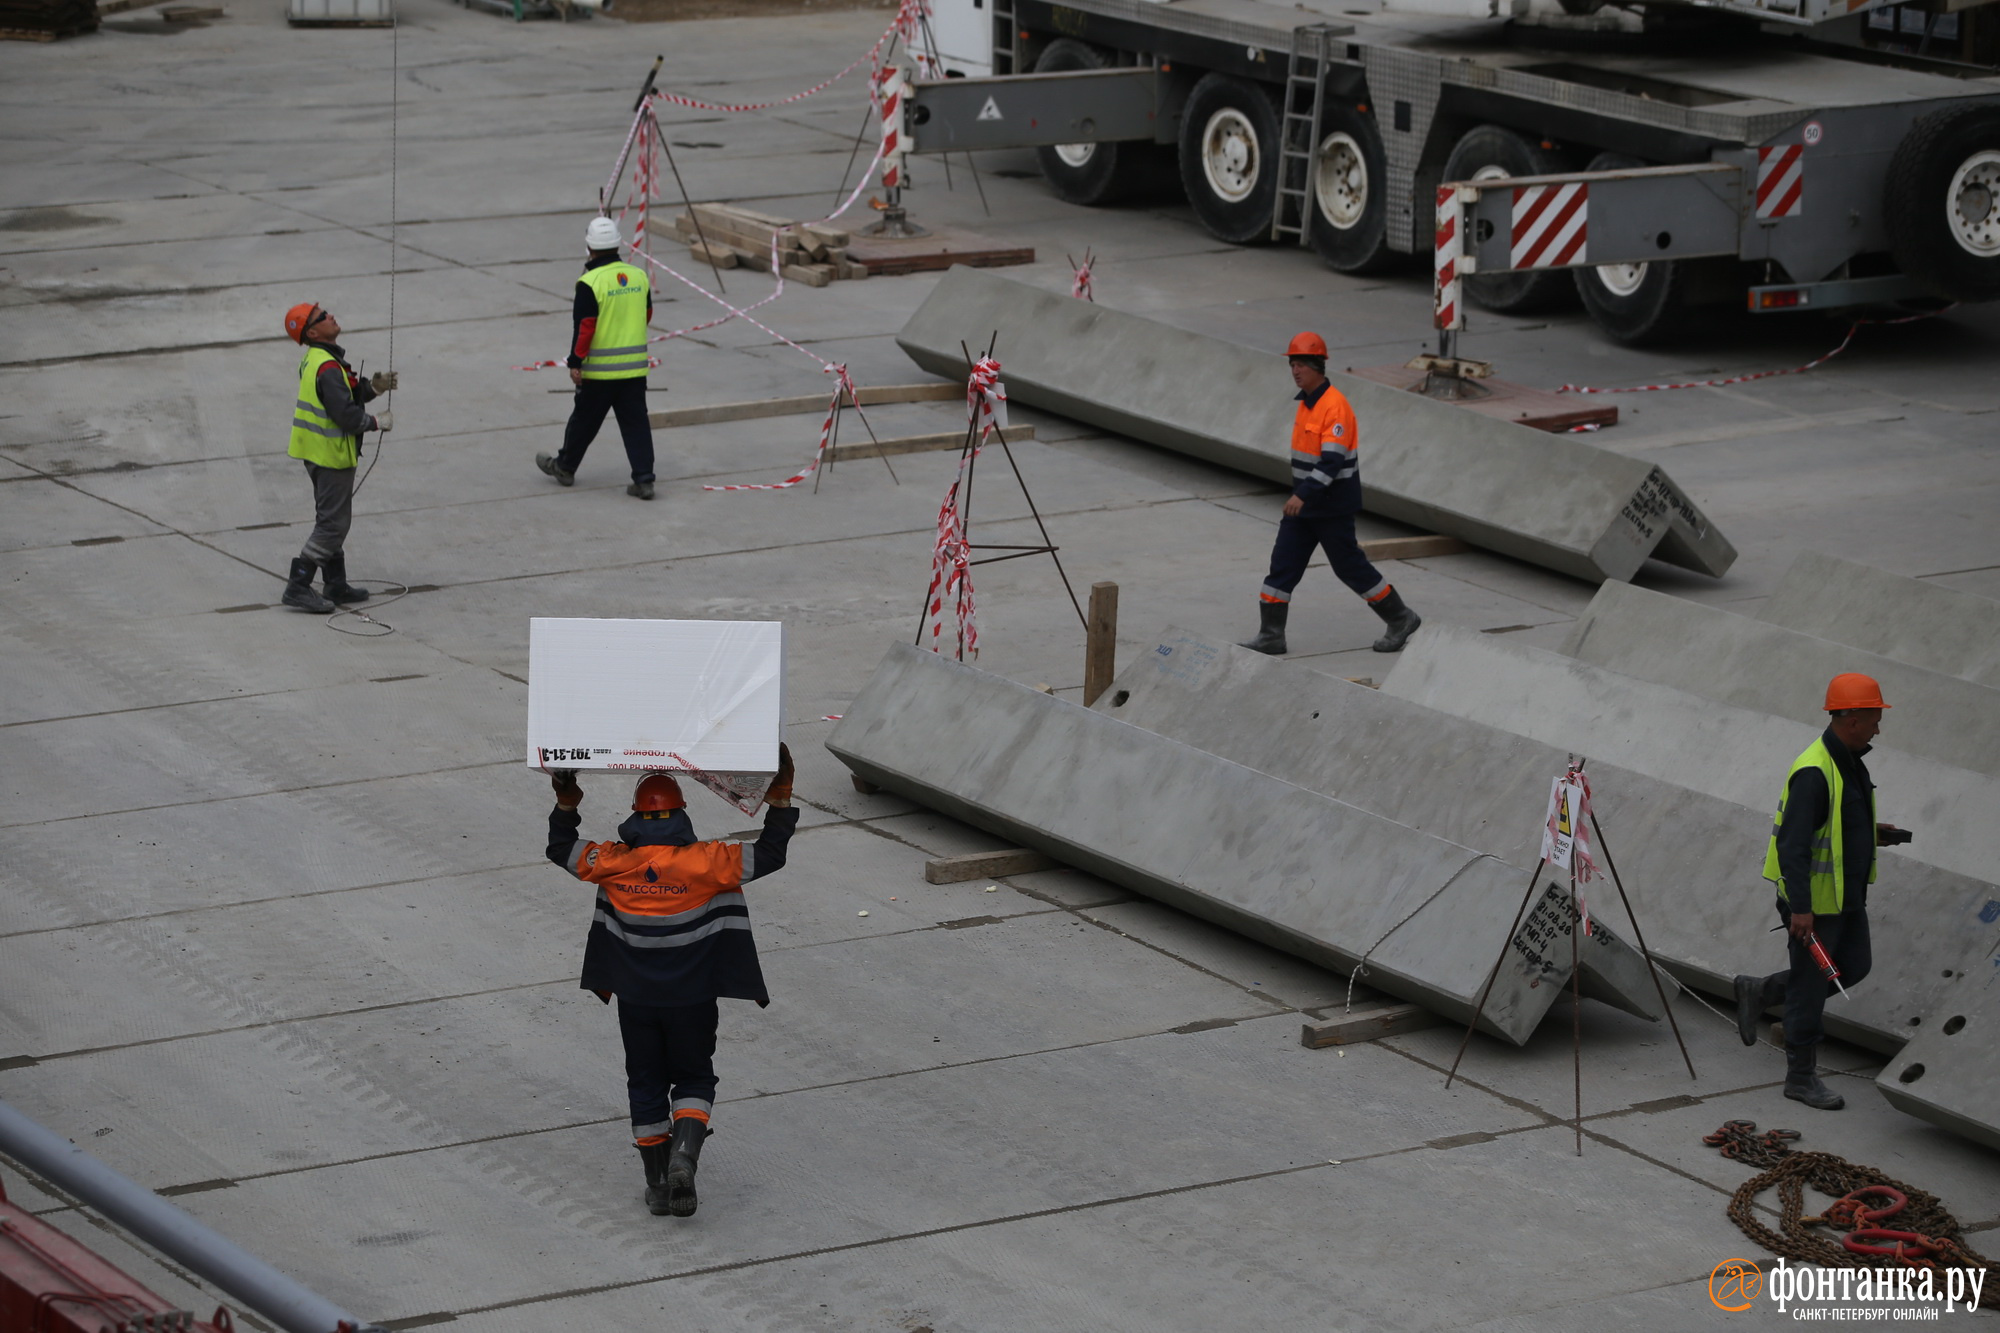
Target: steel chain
point(1925, 1231)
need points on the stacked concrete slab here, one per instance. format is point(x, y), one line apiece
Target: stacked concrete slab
point(1766, 668)
point(1551, 500)
point(1317, 877)
point(1691, 860)
point(1949, 1073)
point(1942, 629)
point(1737, 754)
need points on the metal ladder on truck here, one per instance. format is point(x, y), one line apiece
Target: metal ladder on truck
point(1299, 131)
point(1006, 52)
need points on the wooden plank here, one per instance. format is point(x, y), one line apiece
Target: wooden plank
point(941, 249)
point(27, 35)
point(812, 275)
point(940, 391)
point(719, 255)
point(1412, 548)
point(1100, 642)
point(1504, 399)
point(986, 865)
point(1386, 1020)
point(742, 233)
point(916, 444)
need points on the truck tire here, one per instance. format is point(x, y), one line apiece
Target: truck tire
point(1349, 219)
point(1489, 152)
point(1090, 173)
point(1229, 158)
point(1633, 303)
point(1943, 203)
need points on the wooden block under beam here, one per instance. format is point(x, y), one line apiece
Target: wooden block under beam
point(917, 444)
point(1412, 548)
point(986, 865)
point(943, 391)
point(1386, 1020)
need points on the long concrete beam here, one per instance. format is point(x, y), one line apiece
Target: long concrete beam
point(1736, 754)
point(1949, 1073)
point(1691, 860)
point(1942, 629)
point(1295, 869)
point(1745, 662)
point(1553, 500)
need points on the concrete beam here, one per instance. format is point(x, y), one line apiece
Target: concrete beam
point(1736, 754)
point(1555, 501)
point(1290, 868)
point(1949, 1072)
point(1941, 629)
point(1691, 861)
point(1745, 662)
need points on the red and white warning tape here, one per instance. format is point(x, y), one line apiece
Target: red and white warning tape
point(1080, 287)
point(842, 386)
point(951, 554)
point(1733, 379)
point(907, 25)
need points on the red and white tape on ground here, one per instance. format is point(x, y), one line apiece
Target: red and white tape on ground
point(1080, 287)
point(1733, 379)
point(951, 554)
point(842, 386)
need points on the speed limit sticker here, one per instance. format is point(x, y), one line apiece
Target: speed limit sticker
point(1812, 133)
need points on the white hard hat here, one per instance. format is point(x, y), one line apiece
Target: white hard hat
point(602, 234)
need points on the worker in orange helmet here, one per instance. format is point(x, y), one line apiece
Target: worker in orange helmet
point(1326, 495)
point(670, 937)
point(327, 426)
point(1822, 858)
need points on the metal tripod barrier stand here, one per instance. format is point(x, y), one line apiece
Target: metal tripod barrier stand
point(172, 1232)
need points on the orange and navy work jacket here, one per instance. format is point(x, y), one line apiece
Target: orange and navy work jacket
point(671, 926)
point(1326, 459)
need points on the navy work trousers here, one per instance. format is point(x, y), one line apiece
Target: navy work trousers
point(594, 398)
point(1802, 987)
point(1334, 533)
point(669, 1063)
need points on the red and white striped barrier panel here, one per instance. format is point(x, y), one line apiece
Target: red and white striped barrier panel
point(1449, 248)
point(889, 100)
point(1550, 226)
point(1781, 174)
point(951, 554)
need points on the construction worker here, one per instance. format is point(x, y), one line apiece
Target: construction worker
point(607, 360)
point(1822, 858)
point(327, 426)
point(1326, 495)
point(670, 937)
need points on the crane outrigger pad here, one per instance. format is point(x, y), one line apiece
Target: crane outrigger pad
point(1553, 501)
point(1291, 868)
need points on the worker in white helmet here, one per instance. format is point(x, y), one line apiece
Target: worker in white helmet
point(608, 360)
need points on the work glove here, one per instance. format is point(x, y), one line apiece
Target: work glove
point(382, 421)
point(568, 795)
point(383, 381)
point(779, 793)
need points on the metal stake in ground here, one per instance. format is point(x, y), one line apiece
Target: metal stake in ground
point(687, 203)
point(1652, 966)
point(1486, 990)
point(1576, 1003)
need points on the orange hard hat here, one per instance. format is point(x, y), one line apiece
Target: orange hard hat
point(1306, 344)
point(658, 791)
point(1851, 689)
point(298, 319)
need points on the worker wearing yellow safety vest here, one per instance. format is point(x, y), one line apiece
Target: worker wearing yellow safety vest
point(608, 360)
point(327, 426)
point(1822, 858)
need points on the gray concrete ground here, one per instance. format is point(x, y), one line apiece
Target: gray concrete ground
point(275, 921)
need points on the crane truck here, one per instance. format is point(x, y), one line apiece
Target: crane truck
point(1648, 159)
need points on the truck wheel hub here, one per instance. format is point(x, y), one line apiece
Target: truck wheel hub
point(1075, 154)
point(1975, 221)
point(1229, 155)
point(1621, 279)
point(1341, 185)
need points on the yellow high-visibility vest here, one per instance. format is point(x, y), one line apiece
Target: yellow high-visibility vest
point(618, 348)
point(314, 436)
point(1829, 862)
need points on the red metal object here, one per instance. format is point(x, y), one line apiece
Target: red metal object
point(1824, 961)
point(51, 1284)
point(1908, 1246)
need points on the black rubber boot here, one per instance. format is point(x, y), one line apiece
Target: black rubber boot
point(1270, 629)
point(1400, 619)
point(299, 592)
point(1751, 1002)
point(547, 463)
point(338, 589)
point(1802, 1080)
point(654, 1155)
point(642, 489)
point(684, 1155)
